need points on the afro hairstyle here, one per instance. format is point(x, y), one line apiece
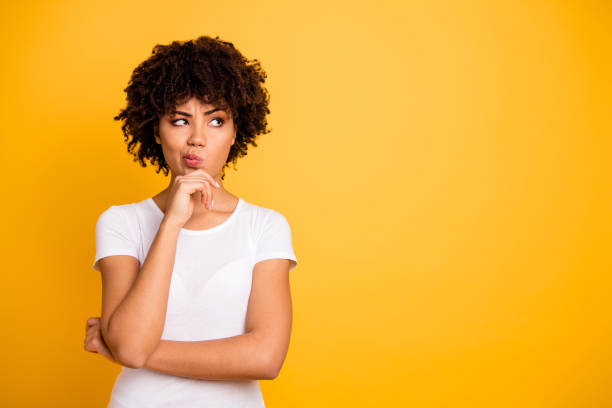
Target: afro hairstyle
point(208, 68)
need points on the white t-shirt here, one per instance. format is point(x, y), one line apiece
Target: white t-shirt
point(208, 296)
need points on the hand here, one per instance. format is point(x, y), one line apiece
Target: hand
point(180, 201)
point(94, 341)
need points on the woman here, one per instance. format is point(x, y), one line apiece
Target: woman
point(196, 304)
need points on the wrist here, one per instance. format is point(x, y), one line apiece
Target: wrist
point(170, 224)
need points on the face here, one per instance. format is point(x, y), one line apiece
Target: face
point(198, 129)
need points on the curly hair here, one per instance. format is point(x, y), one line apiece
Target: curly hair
point(208, 68)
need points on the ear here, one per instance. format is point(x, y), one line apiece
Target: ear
point(156, 133)
point(234, 138)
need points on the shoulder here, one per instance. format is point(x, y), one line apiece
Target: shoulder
point(270, 230)
point(272, 236)
point(262, 217)
point(122, 216)
point(117, 211)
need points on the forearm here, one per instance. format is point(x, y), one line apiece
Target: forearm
point(137, 324)
point(240, 357)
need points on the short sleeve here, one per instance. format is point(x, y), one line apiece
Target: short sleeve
point(114, 235)
point(275, 240)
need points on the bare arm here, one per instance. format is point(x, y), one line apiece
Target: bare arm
point(134, 301)
point(257, 354)
point(232, 358)
point(133, 330)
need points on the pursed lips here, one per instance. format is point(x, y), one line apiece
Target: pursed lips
point(192, 156)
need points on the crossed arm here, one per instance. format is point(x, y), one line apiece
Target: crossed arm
point(257, 354)
point(134, 309)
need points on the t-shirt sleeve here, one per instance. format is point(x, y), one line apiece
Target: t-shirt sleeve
point(114, 236)
point(275, 240)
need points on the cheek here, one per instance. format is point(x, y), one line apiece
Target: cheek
point(172, 144)
point(171, 152)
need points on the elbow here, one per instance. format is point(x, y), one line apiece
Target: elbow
point(271, 367)
point(130, 358)
point(125, 354)
point(271, 375)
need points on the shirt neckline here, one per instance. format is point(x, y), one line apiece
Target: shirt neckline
point(206, 231)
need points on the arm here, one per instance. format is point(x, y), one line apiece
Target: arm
point(257, 354)
point(134, 305)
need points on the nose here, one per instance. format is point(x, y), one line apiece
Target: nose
point(197, 136)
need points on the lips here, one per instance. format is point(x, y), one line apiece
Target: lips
point(193, 157)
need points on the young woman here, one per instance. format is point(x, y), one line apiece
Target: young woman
point(196, 304)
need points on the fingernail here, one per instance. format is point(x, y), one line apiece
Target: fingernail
point(217, 183)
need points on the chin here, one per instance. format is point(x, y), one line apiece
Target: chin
point(189, 168)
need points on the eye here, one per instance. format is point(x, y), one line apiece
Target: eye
point(220, 120)
point(176, 120)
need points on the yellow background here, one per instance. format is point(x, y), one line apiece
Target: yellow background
point(444, 167)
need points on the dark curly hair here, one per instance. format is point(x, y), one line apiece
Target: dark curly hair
point(208, 68)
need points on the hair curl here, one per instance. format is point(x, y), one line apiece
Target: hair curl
point(212, 70)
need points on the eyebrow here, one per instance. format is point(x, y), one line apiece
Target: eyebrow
point(189, 114)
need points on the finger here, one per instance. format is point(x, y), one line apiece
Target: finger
point(210, 178)
point(204, 192)
point(201, 180)
point(91, 348)
point(88, 346)
point(203, 186)
point(189, 181)
point(95, 331)
point(213, 182)
point(209, 190)
point(194, 177)
point(94, 323)
point(91, 343)
point(100, 348)
point(106, 353)
point(191, 186)
point(90, 321)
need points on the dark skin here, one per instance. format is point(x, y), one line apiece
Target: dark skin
point(191, 129)
point(260, 351)
point(94, 342)
point(194, 128)
point(176, 72)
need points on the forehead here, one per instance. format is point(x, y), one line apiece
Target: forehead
point(195, 103)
